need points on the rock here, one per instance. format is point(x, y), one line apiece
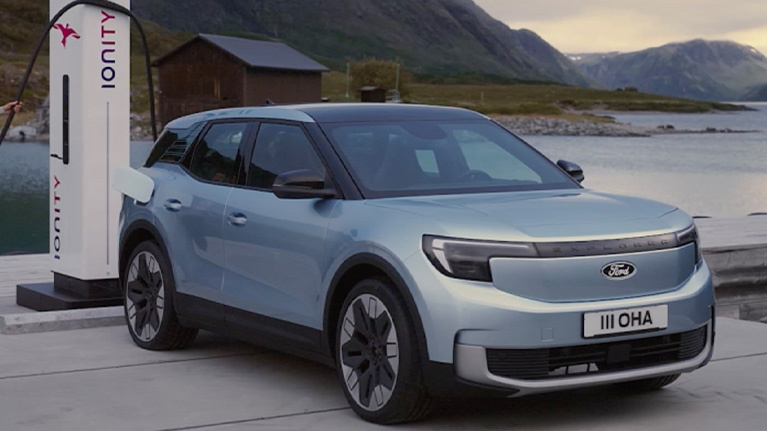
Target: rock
point(561, 127)
point(43, 117)
point(22, 133)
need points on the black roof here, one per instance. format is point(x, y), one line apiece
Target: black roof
point(372, 112)
point(257, 54)
point(334, 113)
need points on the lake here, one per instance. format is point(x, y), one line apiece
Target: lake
point(712, 174)
point(717, 175)
point(24, 189)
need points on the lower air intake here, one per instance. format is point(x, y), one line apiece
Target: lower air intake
point(538, 364)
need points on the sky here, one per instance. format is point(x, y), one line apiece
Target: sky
point(583, 26)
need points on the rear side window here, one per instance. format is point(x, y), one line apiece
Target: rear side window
point(172, 145)
point(217, 156)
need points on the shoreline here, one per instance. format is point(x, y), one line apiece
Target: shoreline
point(44, 139)
point(597, 123)
point(578, 124)
point(534, 125)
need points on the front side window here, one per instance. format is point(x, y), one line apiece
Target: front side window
point(217, 157)
point(432, 157)
point(281, 148)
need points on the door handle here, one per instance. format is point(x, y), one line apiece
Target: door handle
point(237, 219)
point(173, 205)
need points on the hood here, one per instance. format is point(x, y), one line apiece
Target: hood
point(558, 214)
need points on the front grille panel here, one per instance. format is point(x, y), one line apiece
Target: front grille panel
point(537, 364)
point(581, 279)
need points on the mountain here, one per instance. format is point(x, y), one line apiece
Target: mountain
point(444, 37)
point(589, 58)
point(756, 94)
point(698, 69)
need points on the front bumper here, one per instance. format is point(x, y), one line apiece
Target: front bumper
point(471, 365)
point(459, 312)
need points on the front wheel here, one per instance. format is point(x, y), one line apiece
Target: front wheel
point(377, 356)
point(149, 308)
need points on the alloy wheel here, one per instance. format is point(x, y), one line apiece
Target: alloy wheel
point(369, 352)
point(145, 296)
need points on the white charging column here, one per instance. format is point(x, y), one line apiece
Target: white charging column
point(90, 137)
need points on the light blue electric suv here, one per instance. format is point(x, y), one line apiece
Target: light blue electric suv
point(422, 251)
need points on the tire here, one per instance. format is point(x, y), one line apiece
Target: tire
point(377, 356)
point(647, 385)
point(148, 289)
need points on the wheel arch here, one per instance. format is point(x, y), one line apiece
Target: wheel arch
point(138, 232)
point(354, 270)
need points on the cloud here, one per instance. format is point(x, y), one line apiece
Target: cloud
point(621, 25)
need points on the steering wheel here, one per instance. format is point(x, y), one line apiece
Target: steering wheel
point(474, 175)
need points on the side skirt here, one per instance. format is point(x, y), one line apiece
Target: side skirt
point(275, 334)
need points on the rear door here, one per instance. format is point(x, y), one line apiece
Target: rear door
point(193, 208)
point(275, 248)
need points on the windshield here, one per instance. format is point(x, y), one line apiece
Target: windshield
point(432, 157)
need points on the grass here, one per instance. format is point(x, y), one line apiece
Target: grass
point(531, 99)
point(12, 70)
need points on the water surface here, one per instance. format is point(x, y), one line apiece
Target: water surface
point(718, 175)
point(24, 200)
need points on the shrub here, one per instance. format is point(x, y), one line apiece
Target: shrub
point(380, 73)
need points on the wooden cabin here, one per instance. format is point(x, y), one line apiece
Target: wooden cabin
point(212, 72)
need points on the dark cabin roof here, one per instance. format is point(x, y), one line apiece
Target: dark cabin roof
point(256, 54)
point(335, 113)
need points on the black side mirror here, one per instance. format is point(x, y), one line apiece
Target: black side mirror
point(572, 169)
point(301, 184)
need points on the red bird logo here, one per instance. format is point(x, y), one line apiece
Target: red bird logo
point(65, 33)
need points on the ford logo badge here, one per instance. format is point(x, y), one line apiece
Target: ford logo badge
point(619, 270)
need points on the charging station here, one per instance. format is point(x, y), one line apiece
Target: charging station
point(90, 140)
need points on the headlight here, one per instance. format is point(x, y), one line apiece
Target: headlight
point(687, 236)
point(470, 260)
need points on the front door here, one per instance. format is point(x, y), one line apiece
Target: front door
point(275, 248)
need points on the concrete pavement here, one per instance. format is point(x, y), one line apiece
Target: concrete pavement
point(96, 379)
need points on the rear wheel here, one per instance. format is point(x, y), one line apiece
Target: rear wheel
point(652, 384)
point(377, 356)
point(149, 309)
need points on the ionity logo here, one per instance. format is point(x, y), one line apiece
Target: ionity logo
point(66, 32)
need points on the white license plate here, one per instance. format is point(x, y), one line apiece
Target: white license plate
point(626, 320)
